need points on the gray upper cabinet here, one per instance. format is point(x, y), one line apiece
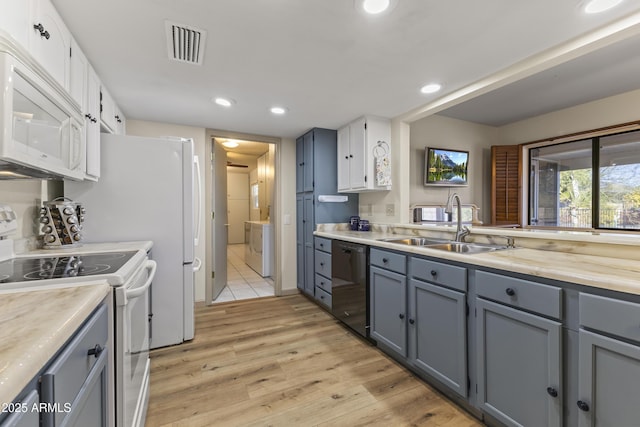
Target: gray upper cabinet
point(299, 164)
point(609, 367)
point(519, 366)
point(438, 333)
point(316, 175)
point(307, 167)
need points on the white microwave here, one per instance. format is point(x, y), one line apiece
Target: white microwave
point(42, 131)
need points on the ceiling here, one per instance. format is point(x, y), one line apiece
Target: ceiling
point(328, 63)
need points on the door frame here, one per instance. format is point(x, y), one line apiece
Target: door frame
point(275, 214)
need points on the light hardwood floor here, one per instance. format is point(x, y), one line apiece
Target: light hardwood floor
point(286, 362)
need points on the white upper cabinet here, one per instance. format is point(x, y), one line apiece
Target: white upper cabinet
point(111, 117)
point(364, 155)
point(92, 124)
point(120, 122)
point(15, 20)
point(78, 72)
point(50, 41)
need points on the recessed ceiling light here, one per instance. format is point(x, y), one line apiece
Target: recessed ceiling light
point(224, 102)
point(375, 6)
point(278, 110)
point(430, 88)
point(597, 6)
point(231, 143)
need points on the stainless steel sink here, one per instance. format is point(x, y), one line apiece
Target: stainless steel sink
point(466, 248)
point(446, 245)
point(417, 241)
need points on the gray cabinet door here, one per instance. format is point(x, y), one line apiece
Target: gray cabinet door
point(22, 413)
point(307, 170)
point(299, 164)
point(300, 241)
point(309, 250)
point(389, 309)
point(609, 377)
point(438, 333)
point(519, 366)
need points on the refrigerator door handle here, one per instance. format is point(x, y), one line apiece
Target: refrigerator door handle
point(196, 162)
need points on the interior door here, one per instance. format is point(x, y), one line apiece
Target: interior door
point(219, 219)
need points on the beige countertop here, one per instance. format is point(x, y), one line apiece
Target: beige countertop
point(36, 324)
point(605, 272)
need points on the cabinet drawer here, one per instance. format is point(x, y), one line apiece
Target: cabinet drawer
point(323, 244)
point(531, 296)
point(617, 317)
point(323, 283)
point(323, 297)
point(388, 260)
point(65, 376)
point(439, 273)
point(323, 263)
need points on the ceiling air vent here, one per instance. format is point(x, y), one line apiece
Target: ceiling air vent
point(185, 43)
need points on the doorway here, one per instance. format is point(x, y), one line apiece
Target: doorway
point(248, 252)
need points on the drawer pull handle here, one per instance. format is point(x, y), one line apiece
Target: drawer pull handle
point(412, 321)
point(322, 264)
point(434, 273)
point(552, 392)
point(95, 351)
point(385, 260)
point(510, 292)
point(584, 406)
point(401, 316)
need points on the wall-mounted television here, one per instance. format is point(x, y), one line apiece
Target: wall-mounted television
point(445, 167)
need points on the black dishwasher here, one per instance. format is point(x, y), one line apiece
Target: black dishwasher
point(350, 285)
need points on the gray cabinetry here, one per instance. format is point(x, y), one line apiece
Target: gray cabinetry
point(519, 356)
point(73, 386)
point(76, 381)
point(323, 271)
point(316, 175)
point(609, 362)
point(21, 411)
point(438, 322)
point(389, 300)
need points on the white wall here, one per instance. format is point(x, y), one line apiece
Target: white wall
point(444, 132)
point(604, 112)
point(154, 129)
point(285, 211)
point(25, 198)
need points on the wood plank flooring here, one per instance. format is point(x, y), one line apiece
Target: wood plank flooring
point(286, 362)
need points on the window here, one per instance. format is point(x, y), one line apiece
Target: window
point(589, 183)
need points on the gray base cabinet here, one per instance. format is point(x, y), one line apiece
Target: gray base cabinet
point(322, 279)
point(519, 366)
point(609, 381)
point(608, 362)
point(389, 308)
point(438, 333)
point(22, 413)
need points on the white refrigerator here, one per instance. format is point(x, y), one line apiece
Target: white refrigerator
point(149, 189)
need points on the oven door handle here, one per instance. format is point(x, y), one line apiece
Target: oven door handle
point(151, 266)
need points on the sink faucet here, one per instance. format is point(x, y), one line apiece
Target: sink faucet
point(461, 232)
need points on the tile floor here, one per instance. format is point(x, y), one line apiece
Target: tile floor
point(242, 281)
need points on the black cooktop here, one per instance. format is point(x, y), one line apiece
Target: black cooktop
point(57, 267)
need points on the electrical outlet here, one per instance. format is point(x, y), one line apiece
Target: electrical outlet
point(391, 209)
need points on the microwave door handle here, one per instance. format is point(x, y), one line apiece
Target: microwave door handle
point(76, 146)
point(151, 266)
